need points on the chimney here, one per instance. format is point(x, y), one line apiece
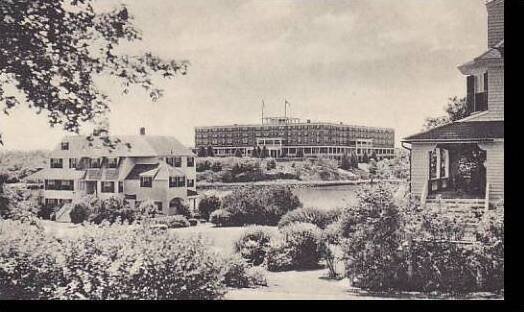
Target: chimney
point(142, 131)
point(495, 22)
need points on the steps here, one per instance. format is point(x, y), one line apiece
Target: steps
point(468, 210)
point(62, 214)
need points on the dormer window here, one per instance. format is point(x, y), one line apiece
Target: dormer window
point(146, 181)
point(64, 146)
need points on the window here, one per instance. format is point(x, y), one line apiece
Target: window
point(64, 146)
point(94, 162)
point(108, 186)
point(174, 161)
point(120, 187)
point(56, 163)
point(177, 181)
point(112, 162)
point(146, 181)
point(190, 182)
point(72, 163)
point(59, 185)
point(191, 161)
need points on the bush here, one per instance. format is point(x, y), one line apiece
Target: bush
point(207, 205)
point(263, 206)
point(387, 246)
point(319, 217)
point(182, 208)
point(148, 209)
point(111, 210)
point(79, 213)
point(173, 222)
point(221, 217)
point(304, 241)
point(253, 244)
point(30, 262)
point(239, 274)
point(193, 222)
point(278, 256)
point(236, 273)
point(106, 262)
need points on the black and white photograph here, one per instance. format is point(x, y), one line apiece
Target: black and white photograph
point(238, 150)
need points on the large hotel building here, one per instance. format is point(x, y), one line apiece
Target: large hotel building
point(286, 137)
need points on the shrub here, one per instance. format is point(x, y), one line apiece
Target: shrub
point(106, 262)
point(236, 273)
point(257, 276)
point(279, 256)
point(304, 241)
point(30, 262)
point(148, 209)
point(239, 274)
point(319, 217)
point(221, 217)
point(264, 206)
point(111, 210)
point(173, 222)
point(193, 222)
point(79, 213)
point(253, 244)
point(207, 205)
point(182, 208)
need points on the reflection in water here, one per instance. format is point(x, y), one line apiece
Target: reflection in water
point(327, 197)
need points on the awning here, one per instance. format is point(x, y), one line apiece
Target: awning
point(191, 193)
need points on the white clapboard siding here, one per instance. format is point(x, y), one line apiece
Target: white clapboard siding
point(495, 169)
point(419, 166)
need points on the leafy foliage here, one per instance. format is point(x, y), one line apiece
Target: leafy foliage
point(172, 222)
point(52, 51)
point(317, 216)
point(456, 109)
point(264, 206)
point(207, 205)
point(254, 243)
point(106, 262)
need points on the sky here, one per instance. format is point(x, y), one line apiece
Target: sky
point(385, 63)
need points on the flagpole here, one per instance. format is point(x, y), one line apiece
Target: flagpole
point(263, 111)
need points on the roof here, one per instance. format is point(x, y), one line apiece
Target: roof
point(461, 131)
point(56, 174)
point(491, 56)
point(131, 146)
point(134, 174)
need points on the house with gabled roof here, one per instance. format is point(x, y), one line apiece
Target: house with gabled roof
point(134, 168)
point(463, 161)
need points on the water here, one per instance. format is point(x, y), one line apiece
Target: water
point(327, 197)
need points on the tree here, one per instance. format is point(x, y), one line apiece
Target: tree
point(264, 152)
point(365, 158)
point(207, 205)
point(52, 51)
point(255, 152)
point(345, 162)
point(372, 167)
point(354, 159)
point(4, 199)
point(456, 109)
point(202, 152)
point(210, 151)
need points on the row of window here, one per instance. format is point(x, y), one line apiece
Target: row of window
point(108, 162)
point(173, 182)
point(59, 185)
point(293, 127)
point(177, 161)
